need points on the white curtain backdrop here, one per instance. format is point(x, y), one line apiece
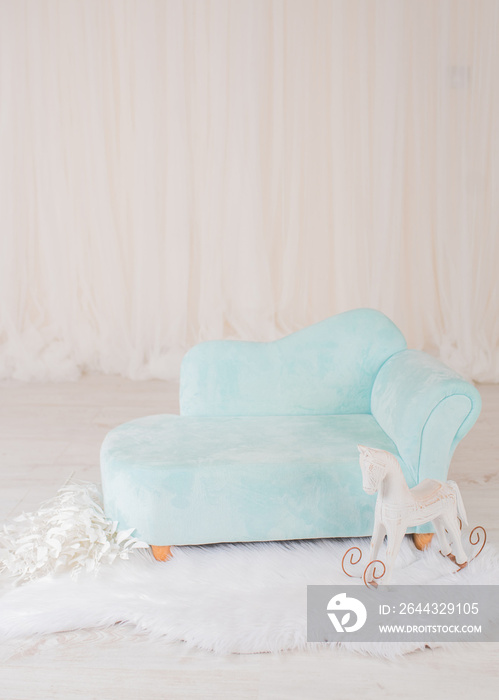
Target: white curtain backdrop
point(174, 171)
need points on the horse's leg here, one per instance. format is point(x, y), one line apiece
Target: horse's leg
point(379, 532)
point(394, 534)
point(442, 538)
point(452, 525)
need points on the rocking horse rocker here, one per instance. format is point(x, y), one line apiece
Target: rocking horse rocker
point(399, 507)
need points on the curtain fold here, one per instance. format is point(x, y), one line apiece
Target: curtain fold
point(173, 171)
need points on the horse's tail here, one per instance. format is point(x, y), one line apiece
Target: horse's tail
point(459, 501)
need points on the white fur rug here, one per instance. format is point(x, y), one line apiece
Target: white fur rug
point(229, 598)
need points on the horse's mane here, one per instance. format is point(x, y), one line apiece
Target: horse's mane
point(380, 458)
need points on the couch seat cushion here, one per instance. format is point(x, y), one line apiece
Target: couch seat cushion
point(194, 480)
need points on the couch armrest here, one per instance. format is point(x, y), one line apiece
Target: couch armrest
point(425, 408)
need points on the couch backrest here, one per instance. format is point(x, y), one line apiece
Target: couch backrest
point(324, 369)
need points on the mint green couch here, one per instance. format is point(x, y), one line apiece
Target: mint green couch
point(265, 446)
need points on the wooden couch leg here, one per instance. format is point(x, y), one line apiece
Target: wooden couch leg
point(422, 541)
point(161, 553)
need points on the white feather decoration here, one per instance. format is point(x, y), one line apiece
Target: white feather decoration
point(69, 532)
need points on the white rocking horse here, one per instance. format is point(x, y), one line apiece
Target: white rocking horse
point(399, 507)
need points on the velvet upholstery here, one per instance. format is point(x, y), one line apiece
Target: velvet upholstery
point(265, 447)
point(206, 479)
point(425, 408)
point(327, 368)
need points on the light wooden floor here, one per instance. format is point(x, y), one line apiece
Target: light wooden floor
point(50, 431)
